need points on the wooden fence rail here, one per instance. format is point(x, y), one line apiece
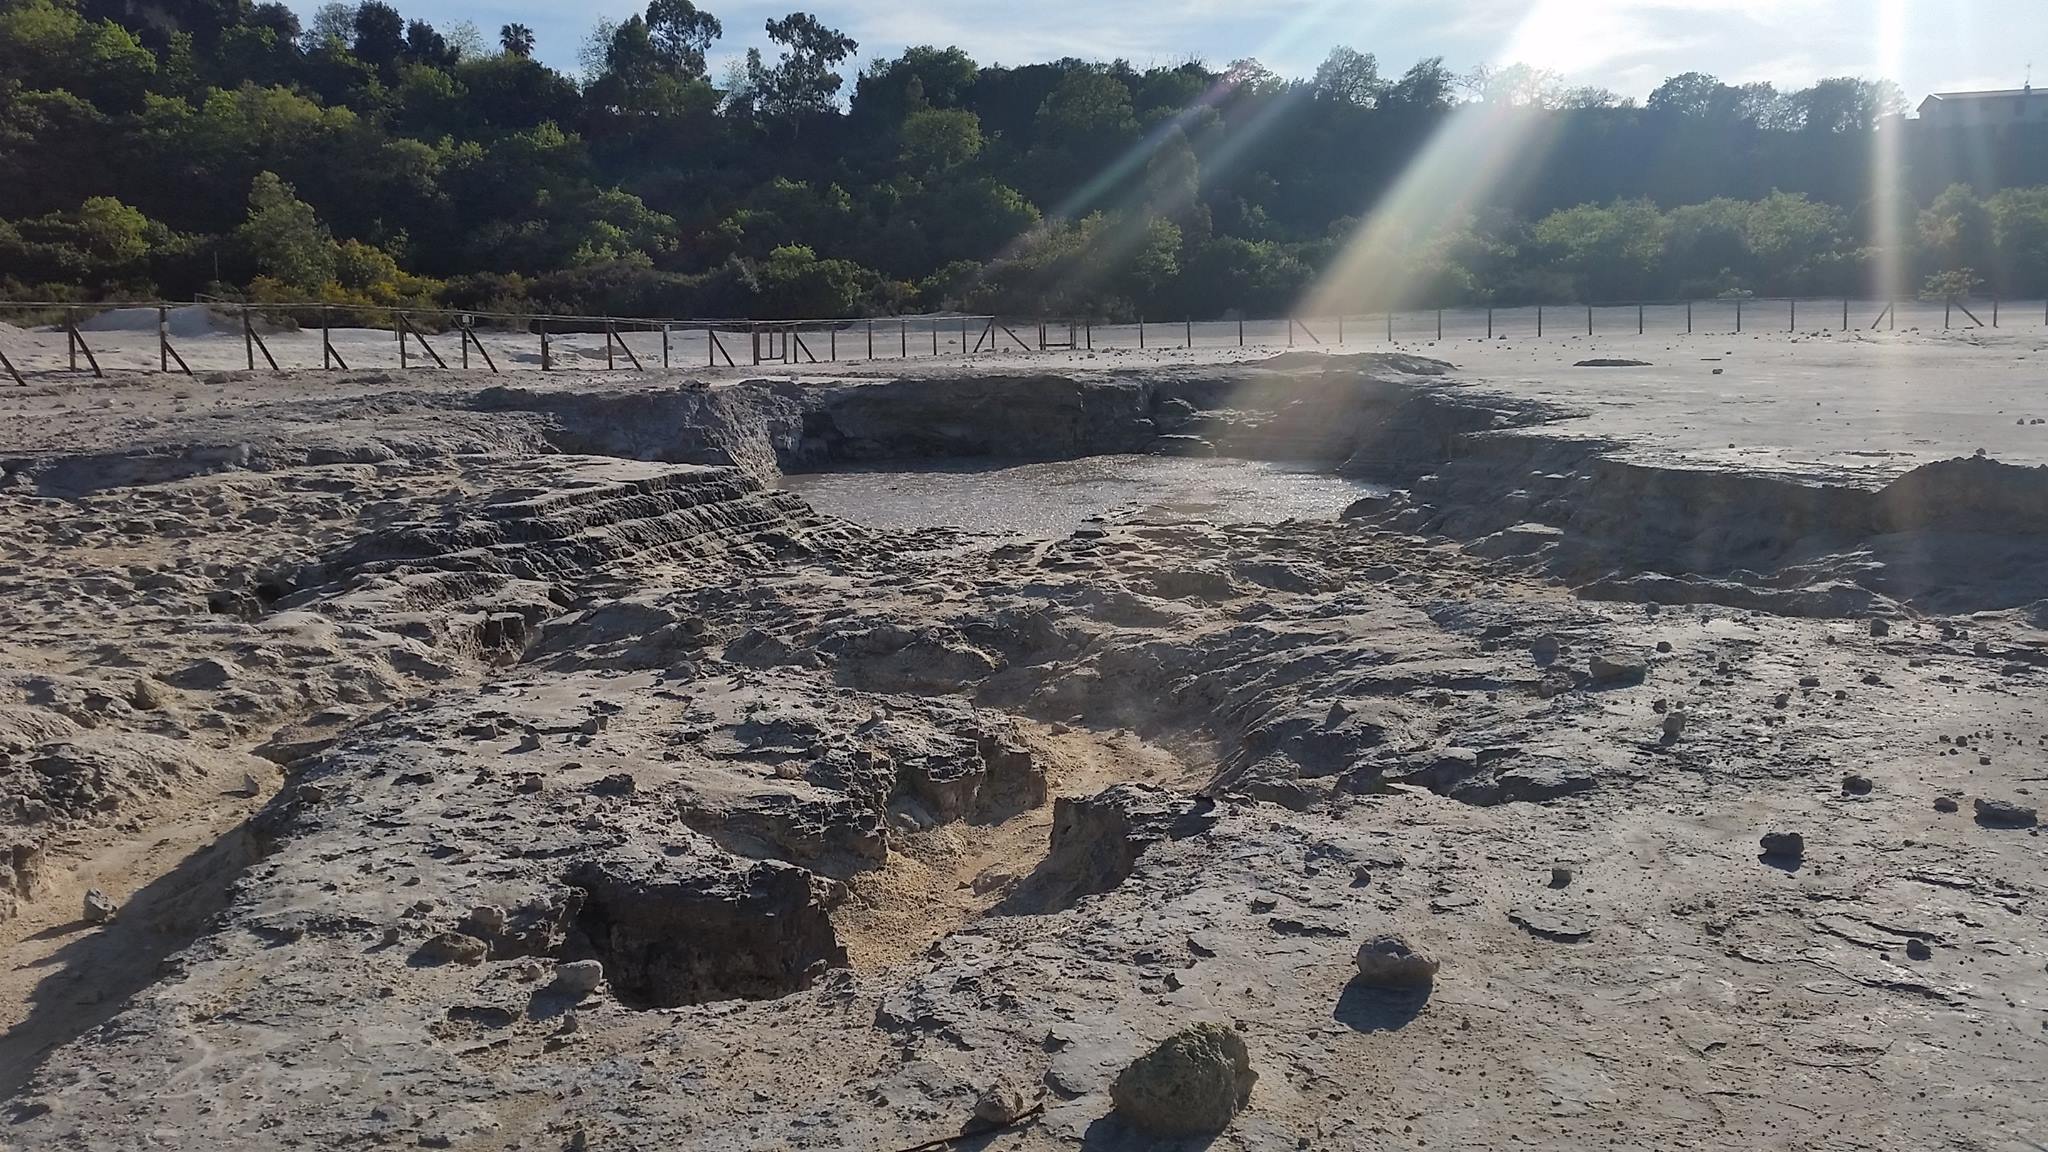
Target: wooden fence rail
point(791, 342)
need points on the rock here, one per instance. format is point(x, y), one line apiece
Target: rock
point(1809, 681)
point(1193, 1084)
point(1391, 962)
point(579, 978)
point(616, 784)
point(1917, 949)
point(147, 695)
point(1857, 785)
point(1784, 846)
point(485, 921)
point(1946, 804)
point(1367, 506)
point(250, 785)
point(98, 908)
point(1609, 670)
point(1561, 925)
point(1674, 724)
point(1180, 445)
point(1001, 1104)
point(1560, 877)
point(1880, 628)
point(453, 948)
point(2005, 814)
point(1096, 840)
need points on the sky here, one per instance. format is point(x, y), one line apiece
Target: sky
point(1626, 45)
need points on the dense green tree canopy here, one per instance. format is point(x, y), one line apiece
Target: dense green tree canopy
point(360, 156)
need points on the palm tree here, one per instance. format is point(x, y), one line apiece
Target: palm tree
point(517, 40)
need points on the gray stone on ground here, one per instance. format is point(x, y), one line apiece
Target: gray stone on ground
point(454, 948)
point(98, 907)
point(1001, 1104)
point(2006, 814)
point(1193, 1084)
point(1617, 669)
point(1784, 845)
point(1391, 962)
point(579, 978)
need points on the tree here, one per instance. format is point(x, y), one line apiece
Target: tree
point(284, 238)
point(333, 23)
point(1848, 104)
point(1426, 87)
point(379, 33)
point(1696, 96)
point(681, 35)
point(938, 139)
point(427, 46)
point(942, 77)
point(802, 83)
point(1956, 230)
point(516, 40)
point(1350, 78)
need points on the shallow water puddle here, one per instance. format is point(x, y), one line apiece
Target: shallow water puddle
point(1049, 500)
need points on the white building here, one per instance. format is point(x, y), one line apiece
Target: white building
point(1986, 109)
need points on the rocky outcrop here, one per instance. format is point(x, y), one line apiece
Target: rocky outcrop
point(670, 938)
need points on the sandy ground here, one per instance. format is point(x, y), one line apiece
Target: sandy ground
point(373, 701)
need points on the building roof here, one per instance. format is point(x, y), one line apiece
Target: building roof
point(2000, 94)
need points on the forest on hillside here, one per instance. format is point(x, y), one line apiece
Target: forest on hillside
point(179, 147)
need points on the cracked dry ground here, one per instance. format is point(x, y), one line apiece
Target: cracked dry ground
point(862, 823)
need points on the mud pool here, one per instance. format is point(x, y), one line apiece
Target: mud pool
point(1048, 500)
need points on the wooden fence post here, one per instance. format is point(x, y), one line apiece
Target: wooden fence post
point(71, 337)
point(1845, 314)
point(1141, 333)
point(546, 361)
point(1639, 319)
point(1489, 323)
point(163, 339)
point(1792, 321)
point(871, 339)
point(903, 336)
point(1539, 321)
point(1190, 332)
point(1738, 314)
point(664, 345)
point(1439, 325)
point(1589, 319)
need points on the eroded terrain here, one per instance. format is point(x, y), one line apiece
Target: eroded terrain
point(375, 714)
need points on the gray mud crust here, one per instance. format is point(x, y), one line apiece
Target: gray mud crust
point(423, 762)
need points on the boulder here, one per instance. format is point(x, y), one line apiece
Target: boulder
point(1194, 1084)
point(1391, 962)
point(2005, 814)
